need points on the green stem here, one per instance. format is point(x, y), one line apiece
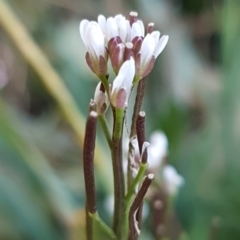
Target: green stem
point(130, 194)
point(119, 185)
point(104, 81)
point(105, 128)
point(138, 178)
point(89, 225)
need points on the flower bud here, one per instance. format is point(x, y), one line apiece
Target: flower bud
point(94, 40)
point(122, 84)
point(101, 99)
point(151, 47)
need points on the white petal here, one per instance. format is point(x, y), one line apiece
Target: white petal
point(118, 19)
point(156, 36)
point(98, 44)
point(112, 29)
point(100, 98)
point(161, 45)
point(172, 178)
point(134, 142)
point(123, 31)
point(136, 30)
point(128, 31)
point(121, 52)
point(125, 76)
point(103, 24)
point(158, 149)
point(82, 29)
point(144, 146)
point(129, 71)
point(98, 94)
point(159, 139)
point(147, 49)
point(95, 40)
point(140, 23)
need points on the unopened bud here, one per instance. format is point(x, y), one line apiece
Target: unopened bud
point(101, 99)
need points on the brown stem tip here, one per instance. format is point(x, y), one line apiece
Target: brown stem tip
point(140, 129)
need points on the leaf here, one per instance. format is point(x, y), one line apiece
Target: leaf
point(101, 230)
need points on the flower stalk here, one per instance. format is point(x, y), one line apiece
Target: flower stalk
point(103, 121)
point(132, 52)
point(133, 224)
point(119, 183)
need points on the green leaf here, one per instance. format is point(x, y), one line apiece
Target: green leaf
point(101, 230)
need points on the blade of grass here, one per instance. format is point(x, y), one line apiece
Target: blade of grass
point(49, 77)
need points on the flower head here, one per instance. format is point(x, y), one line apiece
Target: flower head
point(120, 33)
point(120, 38)
point(93, 39)
point(122, 84)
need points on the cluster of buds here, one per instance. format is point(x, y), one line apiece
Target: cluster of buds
point(132, 51)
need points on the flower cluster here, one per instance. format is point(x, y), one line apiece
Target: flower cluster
point(131, 48)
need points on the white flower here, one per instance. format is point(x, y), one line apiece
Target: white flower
point(119, 38)
point(119, 26)
point(93, 38)
point(152, 46)
point(113, 27)
point(101, 99)
point(157, 150)
point(172, 179)
point(122, 84)
point(137, 29)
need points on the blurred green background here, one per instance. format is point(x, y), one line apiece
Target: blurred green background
point(193, 95)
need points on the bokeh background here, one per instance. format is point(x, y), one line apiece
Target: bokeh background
point(193, 95)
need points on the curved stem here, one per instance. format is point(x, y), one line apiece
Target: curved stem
point(138, 178)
